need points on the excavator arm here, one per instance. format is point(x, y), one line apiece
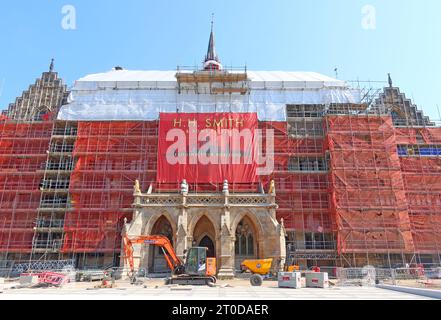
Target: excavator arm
point(172, 259)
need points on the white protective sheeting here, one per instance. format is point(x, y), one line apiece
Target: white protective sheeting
point(143, 95)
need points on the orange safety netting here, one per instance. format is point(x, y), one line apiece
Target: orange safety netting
point(368, 200)
point(302, 197)
point(111, 156)
point(93, 231)
point(422, 180)
point(23, 153)
point(375, 200)
point(418, 135)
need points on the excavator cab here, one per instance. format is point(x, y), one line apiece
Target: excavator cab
point(197, 263)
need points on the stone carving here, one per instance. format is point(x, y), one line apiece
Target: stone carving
point(226, 188)
point(272, 189)
point(137, 187)
point(184, 187)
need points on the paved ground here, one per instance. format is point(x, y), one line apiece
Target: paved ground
point(237, 290)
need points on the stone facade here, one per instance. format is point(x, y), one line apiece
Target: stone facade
point(42, 99)
point(220, 217)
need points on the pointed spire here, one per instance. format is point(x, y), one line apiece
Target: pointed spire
point(211, 52)
point(51, 67)
point(212, 61)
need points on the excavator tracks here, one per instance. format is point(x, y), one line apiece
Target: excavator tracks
point(186, 280)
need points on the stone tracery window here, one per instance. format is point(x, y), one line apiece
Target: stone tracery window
point(40, 112)
point(244, 239)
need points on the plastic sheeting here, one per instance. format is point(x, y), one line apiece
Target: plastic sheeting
point(134, 96)
point(135, 105)
point(167, 79)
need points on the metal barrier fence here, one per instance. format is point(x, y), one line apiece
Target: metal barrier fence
point(362, 277)
point(14, 270)
point(356, 276)
point(370, 276)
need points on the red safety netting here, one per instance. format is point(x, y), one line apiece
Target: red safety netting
point(422, 180)
point(368, 197)
point(418, 135)
point(374, 200)
point(303, 197)
point(23, 153)
point(111, 156)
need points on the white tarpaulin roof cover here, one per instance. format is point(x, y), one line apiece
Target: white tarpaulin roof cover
point(123, 95)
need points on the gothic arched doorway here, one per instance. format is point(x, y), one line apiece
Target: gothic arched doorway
point(246, 243)
point(157, 262)
point(204, 235)
point(206, 242)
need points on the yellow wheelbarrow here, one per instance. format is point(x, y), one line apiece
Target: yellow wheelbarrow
point(260, 270)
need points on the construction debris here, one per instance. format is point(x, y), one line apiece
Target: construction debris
point(29, 280)
point(45, 279)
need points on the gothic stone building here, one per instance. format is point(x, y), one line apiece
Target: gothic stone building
point(356, 176)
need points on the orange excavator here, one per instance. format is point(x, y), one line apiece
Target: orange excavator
point(197, 270)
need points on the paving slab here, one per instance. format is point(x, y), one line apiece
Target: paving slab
point(206, 293)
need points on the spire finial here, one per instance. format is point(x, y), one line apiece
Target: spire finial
point(212, 22)
point(390, 80)
point(51, 67)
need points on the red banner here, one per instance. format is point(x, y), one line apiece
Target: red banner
point(207, 148)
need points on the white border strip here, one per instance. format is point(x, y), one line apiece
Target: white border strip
point(434, 294)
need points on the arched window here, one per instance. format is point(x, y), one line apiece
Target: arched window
point(40, 113)
point(244, 239)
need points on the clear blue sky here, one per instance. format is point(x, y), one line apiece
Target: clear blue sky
point(300, 35)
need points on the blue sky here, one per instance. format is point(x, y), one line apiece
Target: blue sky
point(314, 35)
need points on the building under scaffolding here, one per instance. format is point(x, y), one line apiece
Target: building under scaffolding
point(358, 172)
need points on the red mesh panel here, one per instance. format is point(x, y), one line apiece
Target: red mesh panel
point(368, 194)
point(422, 180)
point(23, 153)
point(110, 157)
